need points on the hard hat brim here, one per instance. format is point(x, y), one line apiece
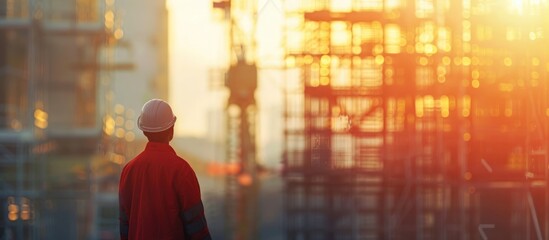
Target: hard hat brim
point(155, 129)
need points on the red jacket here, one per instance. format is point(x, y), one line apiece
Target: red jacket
point(159, 197)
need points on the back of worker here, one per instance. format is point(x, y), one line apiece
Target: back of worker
point(159, 193)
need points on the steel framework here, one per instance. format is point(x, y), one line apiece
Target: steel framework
point(52, 89)
point(416, 119)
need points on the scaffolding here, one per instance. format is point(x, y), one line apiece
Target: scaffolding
point(416, 119)
point(51, 100)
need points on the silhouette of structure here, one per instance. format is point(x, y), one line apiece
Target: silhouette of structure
point(54, 61)
point(241, 189)
point(416, 119)
point(141, 50)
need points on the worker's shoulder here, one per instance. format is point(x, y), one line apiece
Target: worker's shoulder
point(180, 162)
point(130, 164)
point(132, 161)
point(169, 160)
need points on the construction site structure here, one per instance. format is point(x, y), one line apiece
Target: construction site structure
point(242, 188)
point(138, 61)
point(55, 60)
point(416, 119)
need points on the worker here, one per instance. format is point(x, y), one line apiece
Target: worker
point(159, 194)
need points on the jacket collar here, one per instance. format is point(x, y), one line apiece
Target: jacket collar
point(159, 147)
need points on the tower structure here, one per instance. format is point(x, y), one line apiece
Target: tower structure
point(241, 189)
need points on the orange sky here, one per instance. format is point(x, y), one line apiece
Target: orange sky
point(194, 49)
point(197, 45)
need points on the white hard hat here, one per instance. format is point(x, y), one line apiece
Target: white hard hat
point(156, 116)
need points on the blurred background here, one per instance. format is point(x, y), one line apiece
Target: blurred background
point(303, 119)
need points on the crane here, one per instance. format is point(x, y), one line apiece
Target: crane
point(241, 113)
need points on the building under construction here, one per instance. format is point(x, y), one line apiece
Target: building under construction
point(416, 119)
point(55, 64)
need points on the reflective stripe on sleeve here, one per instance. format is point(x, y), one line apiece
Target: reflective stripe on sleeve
point(194, 220)
point(195, 226)
point(193, 212)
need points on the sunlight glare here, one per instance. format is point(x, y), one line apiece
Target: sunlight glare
point(341, 5)
point(517, 6)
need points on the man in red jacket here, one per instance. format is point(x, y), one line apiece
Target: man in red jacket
point(159, 194)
